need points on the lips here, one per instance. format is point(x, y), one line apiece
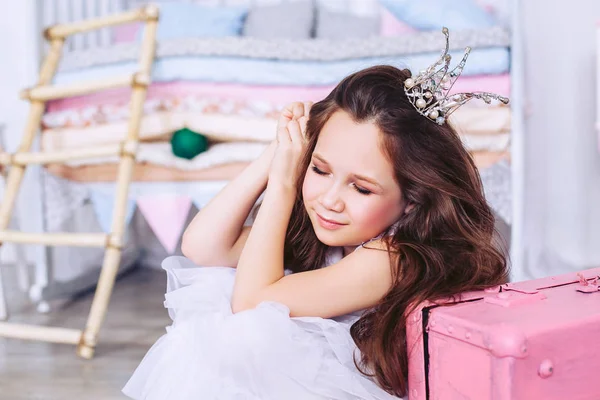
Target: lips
point(329, 220)
point(328, 223)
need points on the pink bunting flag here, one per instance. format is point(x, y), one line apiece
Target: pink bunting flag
point(166, 216)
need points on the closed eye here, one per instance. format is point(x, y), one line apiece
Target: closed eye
point(361, 190)
point(318, 171)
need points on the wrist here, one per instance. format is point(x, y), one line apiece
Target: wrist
point(282, 190)
point(262, 164)
point(269, 152)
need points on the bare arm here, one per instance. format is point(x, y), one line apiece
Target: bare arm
point(357, 282)
point(216, 235)
point(261, 261)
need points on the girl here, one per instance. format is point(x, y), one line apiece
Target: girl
point(361, 183)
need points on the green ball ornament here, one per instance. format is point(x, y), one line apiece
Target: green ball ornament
point(186, 143)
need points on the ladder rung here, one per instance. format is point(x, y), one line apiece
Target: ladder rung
point(60, 156)
point(44, 333)
point(150, 12)
point(56, 239)
point(50, 92)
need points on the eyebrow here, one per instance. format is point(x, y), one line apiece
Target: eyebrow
point(356, 176)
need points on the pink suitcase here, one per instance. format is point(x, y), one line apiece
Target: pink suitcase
point(529, 340)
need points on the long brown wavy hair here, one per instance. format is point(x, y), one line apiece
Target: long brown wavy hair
point(444, 245)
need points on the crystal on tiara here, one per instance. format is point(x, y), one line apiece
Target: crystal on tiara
point(429, 90)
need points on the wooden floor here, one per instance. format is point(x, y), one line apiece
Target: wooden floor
point(41, 371)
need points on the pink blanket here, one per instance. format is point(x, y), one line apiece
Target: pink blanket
point(499, 84)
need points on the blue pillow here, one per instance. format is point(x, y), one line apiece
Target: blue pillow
point(179, 20)
point(434, 14)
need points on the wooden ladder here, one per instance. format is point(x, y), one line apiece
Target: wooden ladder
point(112, 242)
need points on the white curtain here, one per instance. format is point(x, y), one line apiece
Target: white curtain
point(562, 210)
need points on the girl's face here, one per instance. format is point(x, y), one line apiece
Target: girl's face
point(349, 190)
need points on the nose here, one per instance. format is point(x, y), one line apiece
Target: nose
point(331, 199)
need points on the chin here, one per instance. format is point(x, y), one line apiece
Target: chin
point(330, 238)
point(326, 238)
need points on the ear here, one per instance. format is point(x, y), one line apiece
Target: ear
point(409, 208)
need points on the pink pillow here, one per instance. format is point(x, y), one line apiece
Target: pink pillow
point(391, 26)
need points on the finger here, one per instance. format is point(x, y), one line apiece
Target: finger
point(283, 136)
point(298, 110)
point(302, 122)
point(295, 133)
point(307, 106)
point(285, 116)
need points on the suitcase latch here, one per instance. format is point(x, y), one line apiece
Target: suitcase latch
point(587, 286)
point(512, 299)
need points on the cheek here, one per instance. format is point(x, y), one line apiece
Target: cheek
point(310, 187)
point(375, 215)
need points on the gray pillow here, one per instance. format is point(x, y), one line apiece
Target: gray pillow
point(286, 20)
point(337, 25)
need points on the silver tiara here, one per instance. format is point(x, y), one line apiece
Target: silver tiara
point(429, 90)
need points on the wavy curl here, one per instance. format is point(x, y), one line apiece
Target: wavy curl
point(445, 245)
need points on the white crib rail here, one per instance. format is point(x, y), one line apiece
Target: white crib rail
point(61, 11)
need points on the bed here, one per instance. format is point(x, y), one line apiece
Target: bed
point(228, 85)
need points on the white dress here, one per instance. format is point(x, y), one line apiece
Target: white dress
point(259, 354)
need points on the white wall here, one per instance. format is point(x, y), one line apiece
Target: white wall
point(18, 43)
point(18, 69)
point(563, 161)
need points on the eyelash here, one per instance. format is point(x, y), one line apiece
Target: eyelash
point(318, 171)
point(360, 190)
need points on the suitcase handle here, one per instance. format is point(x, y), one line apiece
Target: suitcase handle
point(531, 287)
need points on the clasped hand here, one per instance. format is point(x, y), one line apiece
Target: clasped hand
point(291, 129)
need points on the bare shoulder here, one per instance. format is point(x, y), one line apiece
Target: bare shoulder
point(377, 244)
point(373, 258)
point(378, 250)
